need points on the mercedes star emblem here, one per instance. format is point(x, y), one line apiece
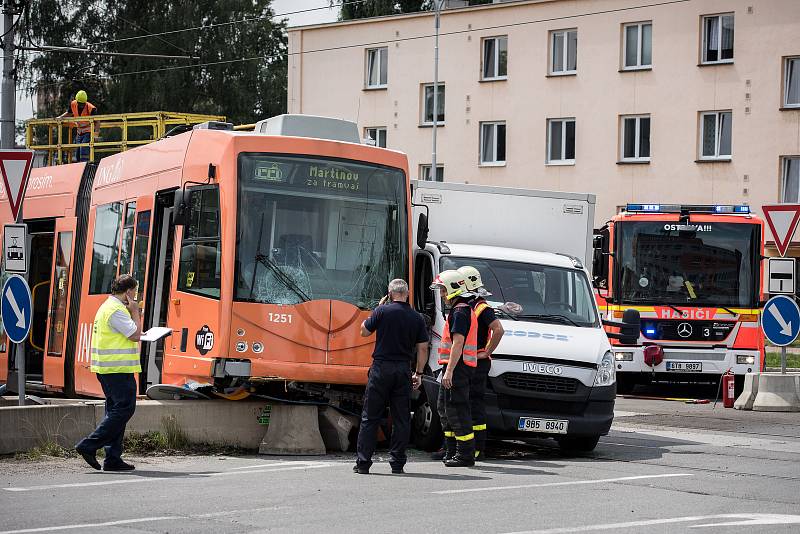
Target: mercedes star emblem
point(684, 330)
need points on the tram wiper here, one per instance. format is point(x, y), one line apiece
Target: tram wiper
point(280, 275)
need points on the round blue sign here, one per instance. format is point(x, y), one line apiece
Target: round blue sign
point(780, 320)
point(16, 308)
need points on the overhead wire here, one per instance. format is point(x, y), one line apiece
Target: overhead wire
point(373, 43)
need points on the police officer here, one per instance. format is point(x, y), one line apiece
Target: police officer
point(458, 355)
point(115, 359)
point(399, 330)
point(490, 330)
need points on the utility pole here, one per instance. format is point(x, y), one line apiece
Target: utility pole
point(437, 7)
point(9, 89)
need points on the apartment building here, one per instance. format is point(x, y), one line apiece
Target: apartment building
point(692, 101)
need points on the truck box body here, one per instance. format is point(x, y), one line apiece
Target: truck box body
point(527, 219)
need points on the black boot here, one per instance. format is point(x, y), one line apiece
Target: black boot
point(449, 448)
point(480, 444)
point(465, 455)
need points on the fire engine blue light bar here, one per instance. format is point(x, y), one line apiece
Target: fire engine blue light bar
point(677, 208)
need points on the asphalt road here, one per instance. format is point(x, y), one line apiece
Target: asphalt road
point(665, 467)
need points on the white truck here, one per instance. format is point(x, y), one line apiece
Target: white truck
point(553, 374)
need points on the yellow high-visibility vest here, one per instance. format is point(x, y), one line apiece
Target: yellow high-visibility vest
point(111, 351)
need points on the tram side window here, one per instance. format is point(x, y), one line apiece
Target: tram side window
point(105, 247)
point(140, 250)
point(127, 239)
point(199, 271)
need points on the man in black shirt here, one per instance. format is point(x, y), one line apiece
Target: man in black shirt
point(399, 330)
point(490, 330)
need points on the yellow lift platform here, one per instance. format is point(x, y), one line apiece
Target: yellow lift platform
point(109, 133)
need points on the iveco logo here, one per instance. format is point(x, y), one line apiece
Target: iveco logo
point(684, 330)
point(542, 368)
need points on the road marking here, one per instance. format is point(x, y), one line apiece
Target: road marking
point(262, 465)
point(142, 520)
point(618, 413)
point(746, 520)
point(132, 479)
point(569, 483)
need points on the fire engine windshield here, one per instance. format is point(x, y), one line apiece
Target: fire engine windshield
point(709, 264)
point(311, 228)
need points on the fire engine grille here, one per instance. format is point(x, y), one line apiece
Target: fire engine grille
point(540, 383)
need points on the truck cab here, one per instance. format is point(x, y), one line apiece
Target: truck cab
point(553, 373)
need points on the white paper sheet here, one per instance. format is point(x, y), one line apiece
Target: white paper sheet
point(156, 333)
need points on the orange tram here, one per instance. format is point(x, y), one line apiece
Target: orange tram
point(262, 251)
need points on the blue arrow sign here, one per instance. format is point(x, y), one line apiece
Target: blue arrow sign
point(781, 320)
point(16, 308)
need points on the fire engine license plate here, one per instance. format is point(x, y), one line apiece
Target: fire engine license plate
point(692, 367)
point(548, 426)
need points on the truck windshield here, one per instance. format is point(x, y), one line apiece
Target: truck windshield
point(544, 293)
point(709, 264)
point(312, 228)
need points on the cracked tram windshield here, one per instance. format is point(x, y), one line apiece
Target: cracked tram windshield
point(700, 264)
point(311, 228)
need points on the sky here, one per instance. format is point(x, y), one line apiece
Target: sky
point(25, 104)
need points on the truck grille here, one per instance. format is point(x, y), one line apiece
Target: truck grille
point(540, 383)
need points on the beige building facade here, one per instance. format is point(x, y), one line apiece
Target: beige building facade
point(693, 101)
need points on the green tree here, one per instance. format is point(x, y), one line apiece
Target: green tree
point(239, 69)
point(350, 9)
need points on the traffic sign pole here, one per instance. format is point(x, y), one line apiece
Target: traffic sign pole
point(783, 360)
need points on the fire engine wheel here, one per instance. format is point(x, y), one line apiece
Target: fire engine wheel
point(427, 425)
point(577, 444)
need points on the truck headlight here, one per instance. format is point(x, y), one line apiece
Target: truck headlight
point(606, 374)
point(745, 359)
point(623, 356)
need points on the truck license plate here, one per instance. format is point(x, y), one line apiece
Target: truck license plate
point(548, 426)
point(694, 367)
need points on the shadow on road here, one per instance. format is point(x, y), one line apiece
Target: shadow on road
point(432, 476)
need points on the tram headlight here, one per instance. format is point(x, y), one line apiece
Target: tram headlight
point(606, 374)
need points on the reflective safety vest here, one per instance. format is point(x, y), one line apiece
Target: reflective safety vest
point(83, 126)
point(470, 352)
point(111, 351)
point(479, 305)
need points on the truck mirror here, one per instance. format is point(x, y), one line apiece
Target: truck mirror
point(631, 327)
point(180, 211)
point(422, 230)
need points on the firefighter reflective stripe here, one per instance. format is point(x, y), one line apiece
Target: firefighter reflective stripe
point(480, 307)
point(81, 127)
point(470, 351)
point(111, 351)
point(468, 437)
point(449, 434)
point(478, 427)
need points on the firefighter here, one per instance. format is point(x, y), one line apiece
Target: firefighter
point(459, 356)
point(81, 107)
point(490, 330)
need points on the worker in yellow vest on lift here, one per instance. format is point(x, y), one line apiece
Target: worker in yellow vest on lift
point(490, 331)
point(81, 107)
point(458, 353)
point(115, 358)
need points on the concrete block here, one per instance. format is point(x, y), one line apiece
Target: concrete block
point(335, 428)
point(777, 393)
point(748, 396)
point(215, 422)
point(26, 427)
point(293, 430)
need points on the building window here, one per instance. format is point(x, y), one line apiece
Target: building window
point(427, 107)
point(375, 136)
point(377, 65)
point(792, 82)
point(425, 173)
point(790, 182)
point(564, 52)
point(637, 51)
point(493, 143)
point(718, 38)
point(561, 141)
point(635, 138)
point(715, 134)
point(495, 58)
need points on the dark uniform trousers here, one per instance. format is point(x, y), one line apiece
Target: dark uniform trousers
point(453, 403)
point(120, 392)
point(389, 383)
point(477, 401)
